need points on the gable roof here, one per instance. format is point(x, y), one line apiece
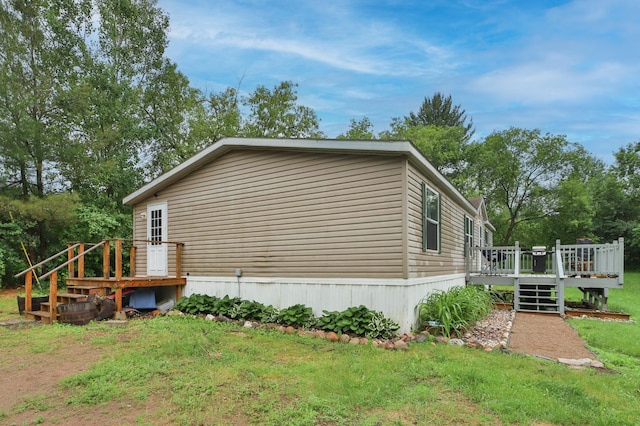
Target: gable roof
point(221, 147)
point(481, 208)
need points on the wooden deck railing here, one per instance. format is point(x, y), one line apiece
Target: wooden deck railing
point(78, 256)
point(606, 260)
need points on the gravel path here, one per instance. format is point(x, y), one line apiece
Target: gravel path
point(493, 331)
point(542, 335)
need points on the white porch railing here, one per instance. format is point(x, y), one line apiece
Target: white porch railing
point(598, 260)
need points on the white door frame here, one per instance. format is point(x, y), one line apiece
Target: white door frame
point(157, 253)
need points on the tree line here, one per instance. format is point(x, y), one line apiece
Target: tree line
point(91, 107)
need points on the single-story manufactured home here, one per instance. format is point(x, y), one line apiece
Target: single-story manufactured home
point(326, 223)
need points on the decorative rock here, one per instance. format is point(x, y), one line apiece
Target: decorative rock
point(281, 328)
point(364, 341)
point(389, 345)
point(376, 344)
point(596, 364)
point(582, 362)
point(248, 324)
point(210, 317)
point(332, 337)
point(442, 339)
point(456, 342)
point(354, 341)
point(120, 316)
point(320, 334)
point(400, 345)
point(420, 338)
point(289, 330)
point(345, 338)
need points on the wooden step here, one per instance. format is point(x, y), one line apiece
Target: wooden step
point(71, 297)
point(87, 290)
point(43, 316)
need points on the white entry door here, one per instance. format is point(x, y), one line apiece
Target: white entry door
point(156, 232)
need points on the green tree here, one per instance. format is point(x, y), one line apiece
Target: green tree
point(276, 114)
point(439, 110)
point(359, 130)
point(617, 198)
point(39, 54)
point(40, 57)
point(444, 146)
point(173, 111)
point(521, 172)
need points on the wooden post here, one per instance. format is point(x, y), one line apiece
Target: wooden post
point(106, 262)
point(53, 296)
point(179, 247)
point(179, 259)
point(118, 259)
point(81, 261)
point(28, 280)
point(70, 266)
point(132, 261)
point(118, 299)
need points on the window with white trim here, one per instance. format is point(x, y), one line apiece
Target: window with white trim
point(468, 234)
point(430, 219)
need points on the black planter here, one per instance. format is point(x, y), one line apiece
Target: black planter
point(35, 303)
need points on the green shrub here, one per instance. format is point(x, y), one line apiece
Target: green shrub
point(359, 320)
point(455, 309)
point(297, 315)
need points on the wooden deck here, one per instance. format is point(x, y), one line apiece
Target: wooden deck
point(543, 275)
point(79, 286)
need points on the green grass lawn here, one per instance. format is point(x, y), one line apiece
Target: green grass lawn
point(197, 372)
point(616, 343)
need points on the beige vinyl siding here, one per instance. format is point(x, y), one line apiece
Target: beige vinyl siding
point(275, 213)
point(450, 260)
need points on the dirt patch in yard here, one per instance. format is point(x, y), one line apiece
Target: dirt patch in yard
point(30, 390)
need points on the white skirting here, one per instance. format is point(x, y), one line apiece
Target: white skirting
point(396, 298)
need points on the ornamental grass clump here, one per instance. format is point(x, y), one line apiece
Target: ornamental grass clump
point(455, 309)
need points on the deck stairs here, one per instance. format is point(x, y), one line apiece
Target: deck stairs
point(538, 294)
point(74, 293)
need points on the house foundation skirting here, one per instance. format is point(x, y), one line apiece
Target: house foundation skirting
point(396, 298)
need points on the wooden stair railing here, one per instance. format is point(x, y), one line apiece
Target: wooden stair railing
point(53, 274)
point(79, 291)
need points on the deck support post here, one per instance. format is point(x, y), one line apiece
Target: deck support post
point(106, 261)
point(118, 299)
point(118, 259)
point(516, 278)
point(53, 297)
point(179, 247)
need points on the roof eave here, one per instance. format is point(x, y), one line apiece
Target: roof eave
point(223, 146)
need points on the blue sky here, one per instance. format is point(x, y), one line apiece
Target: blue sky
point(565, 67)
